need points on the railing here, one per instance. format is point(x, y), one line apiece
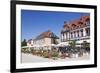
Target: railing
point(76, 38)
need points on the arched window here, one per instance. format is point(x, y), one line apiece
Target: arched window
point(81, 32)
point(87, 31)
point(77, 33)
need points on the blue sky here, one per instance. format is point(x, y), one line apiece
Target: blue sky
point(35, 22)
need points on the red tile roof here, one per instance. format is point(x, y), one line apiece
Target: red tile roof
point(47, 34)
point(77, 23)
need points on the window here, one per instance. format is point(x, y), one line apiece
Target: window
point(66, 36)
point(74, 34)
point(81, 32)
point(78, 33)
point(88, 31)
point(71, 35)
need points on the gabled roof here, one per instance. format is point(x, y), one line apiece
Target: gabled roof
point(47, 34)
point(29, 40)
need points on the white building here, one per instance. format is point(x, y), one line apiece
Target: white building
point(44, 41)
point(78, 30)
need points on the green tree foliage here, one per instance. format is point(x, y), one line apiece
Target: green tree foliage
point(72, 43)
point(85, 44)
point(24, 43)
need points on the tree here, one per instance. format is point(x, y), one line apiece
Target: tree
point(86, 44)
point(72, 43)
point(24, 43)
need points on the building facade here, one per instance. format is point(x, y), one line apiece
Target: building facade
point(78, 30)
point(44, 41)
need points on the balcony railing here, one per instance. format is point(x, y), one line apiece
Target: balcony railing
point(76, 38)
